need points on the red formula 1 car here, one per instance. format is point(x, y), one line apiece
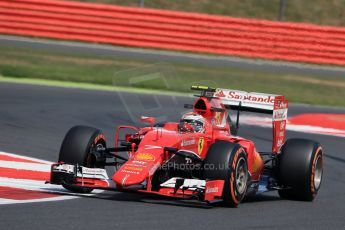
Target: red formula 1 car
point(199, 157)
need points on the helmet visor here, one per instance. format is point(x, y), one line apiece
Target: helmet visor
point(197, 125)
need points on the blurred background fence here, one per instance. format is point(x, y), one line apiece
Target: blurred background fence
point(330, 12)
point(161, 29)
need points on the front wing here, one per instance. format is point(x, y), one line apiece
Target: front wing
point(97, 178)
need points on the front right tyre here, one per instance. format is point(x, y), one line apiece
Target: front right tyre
point(228, 161)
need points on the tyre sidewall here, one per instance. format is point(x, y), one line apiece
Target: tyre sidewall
point(77, 143)
point(297, 168)
point(225, 156)
point(76, 147)
point(231, 195)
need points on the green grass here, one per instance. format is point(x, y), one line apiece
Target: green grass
point(330, 12)
point(143, 74)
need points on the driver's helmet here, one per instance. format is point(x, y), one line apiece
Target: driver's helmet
point(195, 120)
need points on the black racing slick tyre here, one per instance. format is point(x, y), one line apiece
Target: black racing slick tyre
point(228, 161)
point(300, 169)
point(76, 147)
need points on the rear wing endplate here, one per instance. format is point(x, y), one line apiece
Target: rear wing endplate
point(259, 103)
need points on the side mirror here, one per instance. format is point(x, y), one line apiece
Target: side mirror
point(148, 120)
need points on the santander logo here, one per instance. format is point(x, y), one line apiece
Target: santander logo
point(251, 97)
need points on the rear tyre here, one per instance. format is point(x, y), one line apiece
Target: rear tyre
point(300, 169)
point(227, 161)
point(76, 148)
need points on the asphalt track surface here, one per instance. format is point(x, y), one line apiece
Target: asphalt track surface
point(34, 120)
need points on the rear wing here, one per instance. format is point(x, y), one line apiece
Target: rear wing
point(259, 103)
point(251, 102)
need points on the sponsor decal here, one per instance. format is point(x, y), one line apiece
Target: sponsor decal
point(201, 145)
point(132, 168)
point(280, 114)
point(144, 157)
point(152, 147)
point(93, 170)
point(188, 142)
point(251, 97)
point(211, 190)
point(188, 160)
point(214, 190)
point(220, 94)
point(135, 162)
point(64, 167)
point(281, 104)
point(245, 97)
point(92, 173)
point(130, 172)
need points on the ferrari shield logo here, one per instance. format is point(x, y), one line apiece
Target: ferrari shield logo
point(218, 118)
point(201, 145)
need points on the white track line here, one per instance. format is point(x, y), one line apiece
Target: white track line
point(25, 166)
point(26, 158)
point(34, 185)
point(58, 198)
point(29, 184)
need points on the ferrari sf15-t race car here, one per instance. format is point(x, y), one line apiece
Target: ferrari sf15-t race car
point(199, 157)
